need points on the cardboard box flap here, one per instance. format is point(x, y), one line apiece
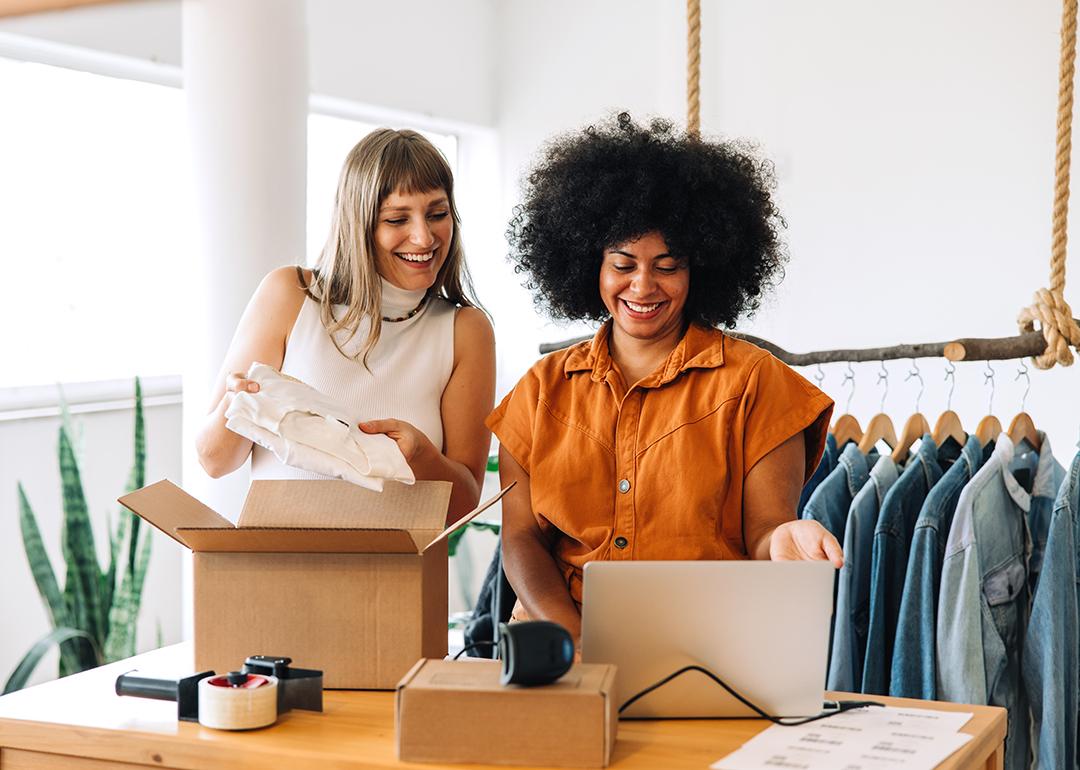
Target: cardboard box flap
point(333, 504)
point(170, 508)
point(296, 540)
point(423, 544)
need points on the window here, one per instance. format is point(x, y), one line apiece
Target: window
point(97, 228)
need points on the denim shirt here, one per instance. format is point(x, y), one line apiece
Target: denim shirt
point(914, 674)
point(1052, 646)
point(892, 537)
point(829, 503)
point(853, 594)
point(824, 468)
point(983, 602)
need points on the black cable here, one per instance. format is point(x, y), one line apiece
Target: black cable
point(841, 706)
point(473, 646)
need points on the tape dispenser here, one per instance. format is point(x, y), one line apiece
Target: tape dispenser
point(253, 697)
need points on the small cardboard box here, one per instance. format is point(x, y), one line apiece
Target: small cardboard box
point(337, 577)
point(456, 711)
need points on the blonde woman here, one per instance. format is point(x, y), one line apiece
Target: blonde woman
point(383, 323)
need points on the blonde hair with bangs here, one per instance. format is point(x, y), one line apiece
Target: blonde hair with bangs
point(383, 162)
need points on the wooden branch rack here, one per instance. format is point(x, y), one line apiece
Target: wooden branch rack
point(967, 349)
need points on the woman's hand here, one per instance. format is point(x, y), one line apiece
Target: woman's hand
point(237, 382)
point(804, 540)
point(412, 442)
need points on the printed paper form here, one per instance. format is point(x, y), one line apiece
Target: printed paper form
point(864, 739)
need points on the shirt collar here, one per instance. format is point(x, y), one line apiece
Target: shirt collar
point(857, 466)
point(1002, 456)
point(1046, 474)
point(699, 348)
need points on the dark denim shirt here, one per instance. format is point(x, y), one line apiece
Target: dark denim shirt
point(1052, 647)
point(914, 674)
point(824, 468)
point(853, 593)
point(892, 537)
point(984, 600)
point(829, 503)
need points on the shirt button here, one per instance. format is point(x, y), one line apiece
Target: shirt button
point(621, 542)
point(624, 486)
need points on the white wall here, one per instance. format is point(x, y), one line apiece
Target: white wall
point(914, 146)
point(563, 63)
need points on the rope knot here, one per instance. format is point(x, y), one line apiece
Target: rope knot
point(1057, 325)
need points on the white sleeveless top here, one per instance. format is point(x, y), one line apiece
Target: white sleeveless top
point(409, 368)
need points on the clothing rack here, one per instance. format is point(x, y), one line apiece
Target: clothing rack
point(1029, 344)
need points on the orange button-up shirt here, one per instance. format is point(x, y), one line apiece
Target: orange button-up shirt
point(655, 471)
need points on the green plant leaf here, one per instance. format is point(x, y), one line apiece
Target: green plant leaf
point(117, 538)
point(137, 479)
point(486, 526)
point(82, 588)
point(44, 577)
point(30, 660)
point(453, 539)
point(124, 612)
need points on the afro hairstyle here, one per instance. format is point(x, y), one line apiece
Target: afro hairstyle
point(615, 181)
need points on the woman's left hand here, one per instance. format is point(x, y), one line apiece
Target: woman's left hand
point(804, 540)
point(412, 442)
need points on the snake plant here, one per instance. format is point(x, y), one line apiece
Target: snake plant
point(94, 616)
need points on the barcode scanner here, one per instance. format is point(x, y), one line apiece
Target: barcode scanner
point(534, 652)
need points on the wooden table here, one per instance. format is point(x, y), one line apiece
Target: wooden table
point(78, 722)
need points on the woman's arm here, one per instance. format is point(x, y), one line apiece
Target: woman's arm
point(260, 336)
point(770, 498)
point(468, 397)
point(527, 559)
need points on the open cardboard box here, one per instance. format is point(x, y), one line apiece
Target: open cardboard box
point(337, 577)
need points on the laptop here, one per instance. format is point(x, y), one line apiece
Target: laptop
point(761, 626)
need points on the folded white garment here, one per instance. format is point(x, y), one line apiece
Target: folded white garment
point(309, 430)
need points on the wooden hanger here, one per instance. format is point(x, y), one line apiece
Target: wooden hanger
point(914, 429)
point(1022, 426)
point(845, 429)
point(989, 427)
point(948, 426)
point(880, 429)
point(916, 425)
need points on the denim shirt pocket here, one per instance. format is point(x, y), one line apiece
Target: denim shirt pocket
point(1001, 587)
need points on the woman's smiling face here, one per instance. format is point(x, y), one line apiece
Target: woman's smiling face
point(412, 238)
point(644, 287)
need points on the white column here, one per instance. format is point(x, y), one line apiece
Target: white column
point(246, 79)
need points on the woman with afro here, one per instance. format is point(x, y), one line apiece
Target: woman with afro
point(661, 437)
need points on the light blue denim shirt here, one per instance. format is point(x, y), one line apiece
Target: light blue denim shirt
point(892, 537)
point(824, 468)
point(984, 598)
point(1052, 647)
point(853, 593)
point(914, 674)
